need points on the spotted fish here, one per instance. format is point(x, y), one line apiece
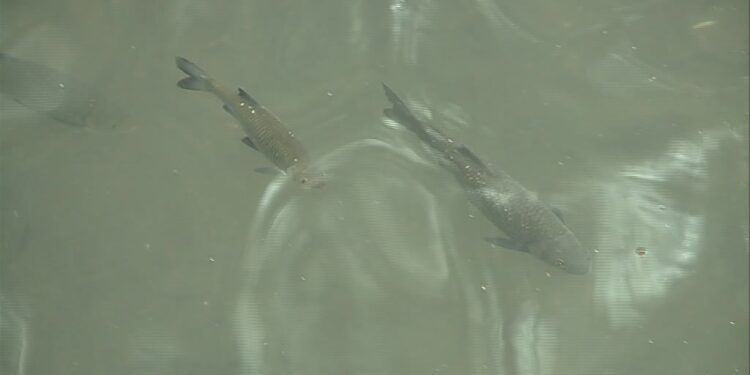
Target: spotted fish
point(264, 132)
point(528, 223)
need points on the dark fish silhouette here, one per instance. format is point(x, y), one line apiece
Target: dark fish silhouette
point(529, 224)
point(58, 95)
point(264, 131)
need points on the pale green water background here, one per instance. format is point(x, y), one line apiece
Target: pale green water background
point(150, 246)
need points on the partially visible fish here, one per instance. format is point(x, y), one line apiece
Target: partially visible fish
point(529, 224)
point(56, 94)
point(264, 131)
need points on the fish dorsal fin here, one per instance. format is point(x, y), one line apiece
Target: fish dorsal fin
point(246, 97)
point(466, 152)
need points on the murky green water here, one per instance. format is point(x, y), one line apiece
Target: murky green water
point(136, 237)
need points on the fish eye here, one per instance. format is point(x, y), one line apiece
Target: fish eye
point(560, 263)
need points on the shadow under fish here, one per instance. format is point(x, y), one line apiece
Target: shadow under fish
point(57, 95)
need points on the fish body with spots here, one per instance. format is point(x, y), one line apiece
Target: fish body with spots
point(528, 223)
point(264, 131)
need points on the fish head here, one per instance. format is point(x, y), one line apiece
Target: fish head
point(564, 252)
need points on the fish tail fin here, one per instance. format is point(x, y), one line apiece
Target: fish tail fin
point(399, 112)
point(197, 79)
point(399, 109)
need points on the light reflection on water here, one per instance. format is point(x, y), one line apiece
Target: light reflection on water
point(637, 213)
point(375, 243)
point(348, 243)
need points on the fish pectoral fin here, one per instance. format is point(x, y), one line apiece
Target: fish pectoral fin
point(246, 97)
point(507, 243)
point(249, 142)
point(267, 170)
point(227, 109)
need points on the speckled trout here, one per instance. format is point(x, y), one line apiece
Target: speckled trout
point(529, 224)
point(264, 131)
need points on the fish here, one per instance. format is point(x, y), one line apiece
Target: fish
point(58, 95)
point(529, 225)
point(264, 132)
